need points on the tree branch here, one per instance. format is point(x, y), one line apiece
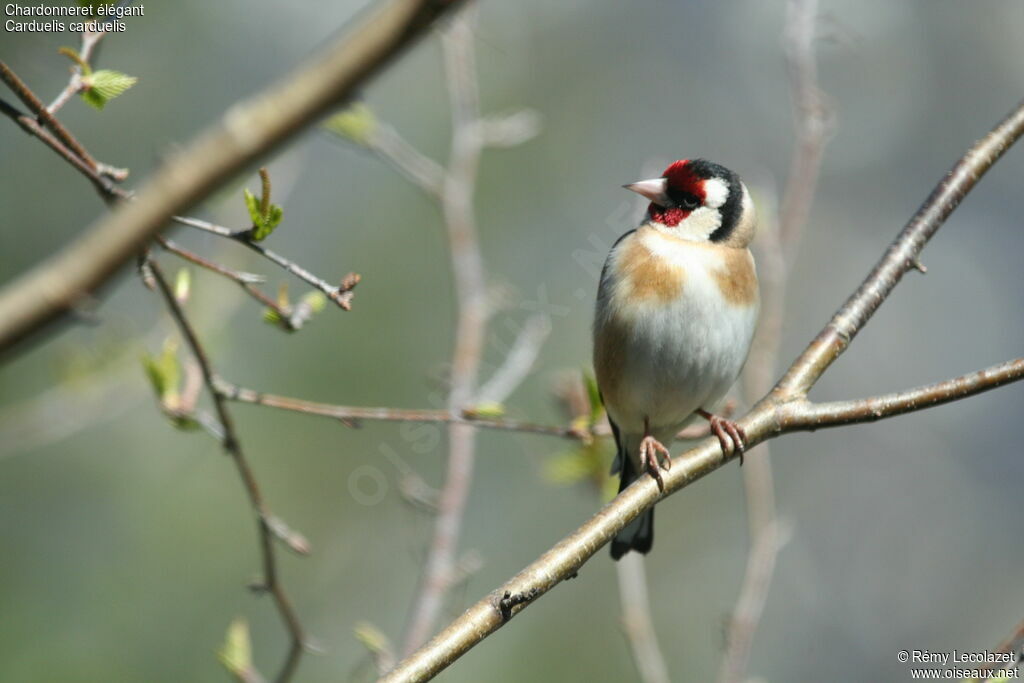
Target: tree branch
point(356, 413)
point(470, 327)
point(806, 415)
point(269, 526)
point(247, 131)
point(340, 295)
point(764, 421)
point(779, 239)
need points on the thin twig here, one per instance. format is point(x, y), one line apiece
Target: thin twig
point(267, 523)
point(90, 39)
point(779, 242)
point(764, 421)
point(244, 280)
point(471, 297)
point(750, 605)
point(518, 362)
point(29, 124)
point(420, 169)
point(340, 294)
point(355, 413)
point(636, 619)
point(814, 120)
point(30, 100)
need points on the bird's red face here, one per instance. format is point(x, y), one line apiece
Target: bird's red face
point(697, 200)
point(685, 191)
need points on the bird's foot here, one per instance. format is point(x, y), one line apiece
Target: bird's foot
point(650, 448)
point(730, 435)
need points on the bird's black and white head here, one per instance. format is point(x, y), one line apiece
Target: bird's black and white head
point(699, 200)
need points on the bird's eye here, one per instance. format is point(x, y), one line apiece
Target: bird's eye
point(689, 202)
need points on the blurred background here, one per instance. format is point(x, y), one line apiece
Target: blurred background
point(127, 544)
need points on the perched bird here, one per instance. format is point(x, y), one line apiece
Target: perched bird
point(676, 310)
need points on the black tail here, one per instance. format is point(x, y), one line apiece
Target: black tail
point(638, 535)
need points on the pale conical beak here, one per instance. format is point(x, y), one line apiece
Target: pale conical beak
point(653, 189)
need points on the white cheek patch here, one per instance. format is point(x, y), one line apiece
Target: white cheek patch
point(715, 192)
point(699, 225)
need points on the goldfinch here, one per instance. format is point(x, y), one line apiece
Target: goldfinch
point(676, 310)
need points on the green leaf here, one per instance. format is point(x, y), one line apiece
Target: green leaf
point(594, 395)
point(104, 85)
point(185, 423)
point(253, 205)
point(372, 638)
point(164, 372)
point(271, 316)
point(275, 215)
point(236, 652)
point(262, 225)
point(110, 83)
point(357, 124)
point(486, 410)
point(315, 300)
point(93, 99)
point(183, 284)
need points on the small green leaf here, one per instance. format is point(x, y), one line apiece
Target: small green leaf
point(357, 124)
point(316, 301)
point(104, 85)
point(93, 99)
point(372, 638)
point(485, 410)
point(236, 652)
point(164, 372)
point(274, 216)
point(253, 205)
point(185, 423)
point(262, 225)
point(183, 285)
point(594, 395)
point(271, 316)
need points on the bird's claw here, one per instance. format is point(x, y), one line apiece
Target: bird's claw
point(730, 435)
point(650, 448)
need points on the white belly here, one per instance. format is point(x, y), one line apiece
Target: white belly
point(677, 355)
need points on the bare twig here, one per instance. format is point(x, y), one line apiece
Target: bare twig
point(247, 131)
point(471, 297)
point(269, 526)
point(29, 124)
point(779, 241)
point(518, 362)
point(90, 39)
point(636, 619)
point(420, 169)
point(764, 421)
point(340, 295)
point(29, 99)
point(747, 613)
point(240, 277)
point(353, 413)
point(815, 120)
point(244, 280)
